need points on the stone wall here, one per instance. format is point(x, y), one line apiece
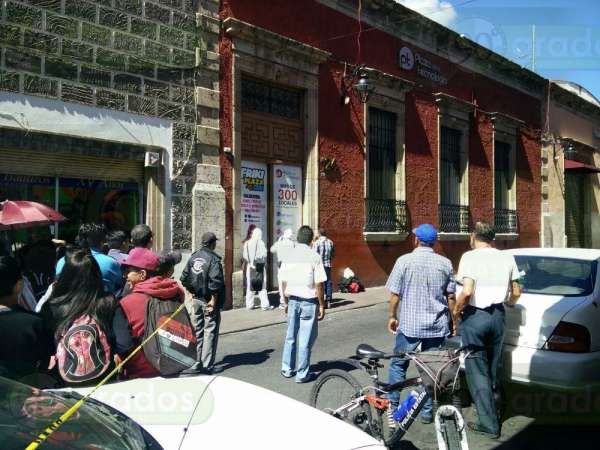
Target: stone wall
point(152, 58)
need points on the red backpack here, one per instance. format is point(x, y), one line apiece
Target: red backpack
point(83, 352)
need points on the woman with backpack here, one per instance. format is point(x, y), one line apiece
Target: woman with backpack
point(255, 256)
point(88, 325)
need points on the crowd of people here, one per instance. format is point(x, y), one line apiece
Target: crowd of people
point(87, 313)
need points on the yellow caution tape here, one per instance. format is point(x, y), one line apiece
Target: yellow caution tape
point(73, 409)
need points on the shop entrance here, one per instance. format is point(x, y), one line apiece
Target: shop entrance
point(272, 162)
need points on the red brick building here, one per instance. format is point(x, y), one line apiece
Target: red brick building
point(450, 134)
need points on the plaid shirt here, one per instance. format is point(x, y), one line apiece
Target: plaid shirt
point(324, 247)
point(422, 279)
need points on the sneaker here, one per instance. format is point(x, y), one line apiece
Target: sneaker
point(285, 374)
point(426, 420)
point(281, 306)
point(268, 308)
point(310, 377)
point(328, 304)
point(478, 429)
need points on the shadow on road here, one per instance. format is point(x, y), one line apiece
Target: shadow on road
point(552, 437)
point(244, 359)
point(336, 303)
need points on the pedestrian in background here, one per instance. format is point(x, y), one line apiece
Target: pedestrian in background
point(142, 236)
point(118, 245)
point(489, 280)
point(280, 249)
point(255, 255)
point(92, 236)
point(302, 274)
point(26, 344)
point(420, 285)
point(325, 248)
point(203, 278)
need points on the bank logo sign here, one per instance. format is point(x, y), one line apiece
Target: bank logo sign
point(407, 59)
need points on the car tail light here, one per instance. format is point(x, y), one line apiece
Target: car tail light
point(569, 337)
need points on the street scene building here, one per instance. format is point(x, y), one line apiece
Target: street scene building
point(109, 109)
point(571, 164)
point(450, 133)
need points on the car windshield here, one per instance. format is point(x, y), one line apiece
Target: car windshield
point(556, 276)
point(26, 411)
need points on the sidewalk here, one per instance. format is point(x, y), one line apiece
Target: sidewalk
point(241, 319)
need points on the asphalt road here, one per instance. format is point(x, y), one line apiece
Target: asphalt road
point(255, 357)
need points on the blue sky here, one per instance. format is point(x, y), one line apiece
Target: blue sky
point(567, 33)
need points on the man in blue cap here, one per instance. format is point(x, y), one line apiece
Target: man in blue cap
point(421, 284)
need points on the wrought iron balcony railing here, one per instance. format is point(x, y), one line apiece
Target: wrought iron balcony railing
point(505, 221)
point(385, 215)
point(454, 218)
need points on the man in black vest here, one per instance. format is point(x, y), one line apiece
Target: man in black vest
point(203, 278)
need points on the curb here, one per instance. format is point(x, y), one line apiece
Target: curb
point(278, 322)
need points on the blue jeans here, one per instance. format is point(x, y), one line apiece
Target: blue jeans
point(328, 285)
point(398, 366)
point(485, 328)
point(301, 333)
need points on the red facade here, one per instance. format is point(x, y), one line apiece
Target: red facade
point(341, 135)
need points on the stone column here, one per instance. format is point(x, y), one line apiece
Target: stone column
point(208, 206)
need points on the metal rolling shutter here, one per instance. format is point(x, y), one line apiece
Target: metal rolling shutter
point(25, 162)
point(574, 210)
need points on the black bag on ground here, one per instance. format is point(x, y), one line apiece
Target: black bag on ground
point(257, 277)
point(173, 348)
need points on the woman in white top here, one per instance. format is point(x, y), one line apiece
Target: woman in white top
point(255, 256)
point(280, 248)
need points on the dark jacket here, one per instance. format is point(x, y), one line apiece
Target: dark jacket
point(203, 276)
point(134, 307)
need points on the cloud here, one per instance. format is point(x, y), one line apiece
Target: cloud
point(437, 10)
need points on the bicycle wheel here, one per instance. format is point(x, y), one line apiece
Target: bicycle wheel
point(452, 435)
point(335, 388)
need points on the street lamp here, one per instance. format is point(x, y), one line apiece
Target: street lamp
point(359, 80)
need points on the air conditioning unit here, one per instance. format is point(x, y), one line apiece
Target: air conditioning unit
point(152, 159)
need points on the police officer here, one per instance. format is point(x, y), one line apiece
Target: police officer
point(203, 278)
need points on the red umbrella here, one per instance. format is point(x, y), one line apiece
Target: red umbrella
point(24, 214)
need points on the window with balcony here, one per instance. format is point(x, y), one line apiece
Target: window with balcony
point(385, 209)
point(453, 212)
point(505, 217)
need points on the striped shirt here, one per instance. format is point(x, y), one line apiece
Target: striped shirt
point(422, 279)
point(324, 247)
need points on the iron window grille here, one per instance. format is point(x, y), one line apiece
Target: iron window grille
point(386, 215)
point(453, 218)
point(261, 97)
point(505, 221)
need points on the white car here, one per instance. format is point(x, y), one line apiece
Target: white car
point(552, 338)
point(217, 412)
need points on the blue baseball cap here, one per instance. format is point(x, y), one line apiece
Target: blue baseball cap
point(426, 233)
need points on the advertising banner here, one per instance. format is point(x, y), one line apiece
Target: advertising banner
point(254, 197)
point(287, 201)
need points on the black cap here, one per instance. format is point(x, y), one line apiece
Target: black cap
point(208, 238)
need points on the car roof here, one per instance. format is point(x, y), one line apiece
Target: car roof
point(588, 254)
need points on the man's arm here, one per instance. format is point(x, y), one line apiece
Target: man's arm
point(321, 298)
point(462, 300)
point(451, 308)
point(215, 282)
point(393, 320)
point(515, 293)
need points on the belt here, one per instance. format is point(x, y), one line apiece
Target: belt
point(300, 299)
point(490, 308)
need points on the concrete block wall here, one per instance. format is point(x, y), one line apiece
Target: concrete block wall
point(139, 56)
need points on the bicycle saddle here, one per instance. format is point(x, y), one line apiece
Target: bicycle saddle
point(366, 351)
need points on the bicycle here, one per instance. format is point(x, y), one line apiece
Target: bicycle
point(339, 393)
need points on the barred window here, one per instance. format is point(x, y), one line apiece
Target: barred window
point(261, 97)
point(382, 154)
point(451, 170)
point(502, 175)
